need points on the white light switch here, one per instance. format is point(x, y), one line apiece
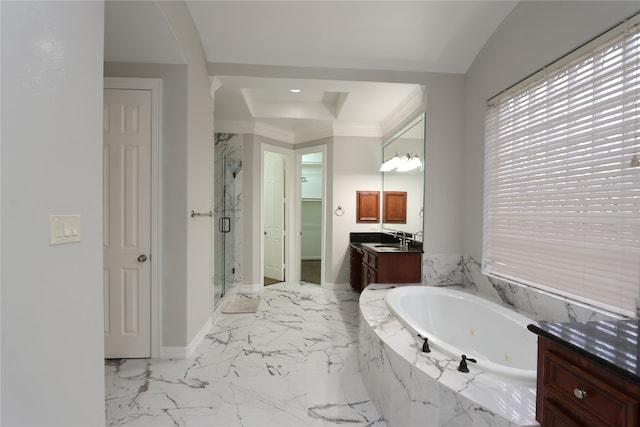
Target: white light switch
point(64, 229)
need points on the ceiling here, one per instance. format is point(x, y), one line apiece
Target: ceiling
point(420, 36)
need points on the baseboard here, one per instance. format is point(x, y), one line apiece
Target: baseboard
point(251, 288)
point(179, 352)
point(337, 286)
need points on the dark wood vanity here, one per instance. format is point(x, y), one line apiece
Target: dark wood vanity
point(588, 374)
point(378, 259)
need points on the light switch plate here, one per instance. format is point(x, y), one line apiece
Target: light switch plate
point(64, 229)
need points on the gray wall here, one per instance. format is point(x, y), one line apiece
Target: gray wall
point(199, 172)
point(533, 35)
point(52, 338)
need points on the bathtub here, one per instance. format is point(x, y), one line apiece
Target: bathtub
point(458, 323)
point(412, 388)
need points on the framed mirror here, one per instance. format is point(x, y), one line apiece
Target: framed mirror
point(403, 172)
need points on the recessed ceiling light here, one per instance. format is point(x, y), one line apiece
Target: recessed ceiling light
point(295, 90)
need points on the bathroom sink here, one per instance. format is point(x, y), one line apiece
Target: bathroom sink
point(389, 245)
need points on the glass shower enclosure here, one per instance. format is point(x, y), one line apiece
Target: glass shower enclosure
point(226, 213)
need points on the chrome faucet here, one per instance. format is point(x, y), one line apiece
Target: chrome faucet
point(403, 239)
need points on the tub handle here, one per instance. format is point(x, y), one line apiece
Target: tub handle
point(425, 344)
point(463, 363)
point(579, 393)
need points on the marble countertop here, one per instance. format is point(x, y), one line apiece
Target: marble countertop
point(389, 248)
point(612, 343)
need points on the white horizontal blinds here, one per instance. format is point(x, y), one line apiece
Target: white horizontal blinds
point(562, 179)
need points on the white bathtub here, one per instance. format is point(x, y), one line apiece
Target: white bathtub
point(458, 323)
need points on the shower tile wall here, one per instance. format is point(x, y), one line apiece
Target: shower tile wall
point(228, 169)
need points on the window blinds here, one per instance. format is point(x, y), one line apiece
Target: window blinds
point(562, 178)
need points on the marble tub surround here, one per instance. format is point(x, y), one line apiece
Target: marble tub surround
point(441, 269)
point(293, 363)
point(535, 303)
point(411, 388)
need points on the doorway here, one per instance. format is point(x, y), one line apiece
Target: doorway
point(311, 208)
point(131, 227)
point(274, 180)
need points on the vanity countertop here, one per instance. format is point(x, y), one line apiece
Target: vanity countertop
point(381, 243)
point(389, 248)
point(611, 343)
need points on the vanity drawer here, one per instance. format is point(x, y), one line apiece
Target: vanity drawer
point(600, 399)
point(370, 259)
point(577, 389)
point(555, 416)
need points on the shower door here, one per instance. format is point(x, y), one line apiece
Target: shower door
point(227, 187)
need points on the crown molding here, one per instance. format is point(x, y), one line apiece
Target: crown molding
point(414, 103)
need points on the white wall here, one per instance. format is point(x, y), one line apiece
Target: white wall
point(52, 315)
point(311, 210)
point(311, 226)
point(353, 165)
point(533, 35)
point(199, 170)
point(251, 185)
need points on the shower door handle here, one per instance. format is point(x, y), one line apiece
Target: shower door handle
point(224, 224)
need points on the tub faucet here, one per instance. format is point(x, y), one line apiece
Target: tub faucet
point(463, 363)
point(425, 344)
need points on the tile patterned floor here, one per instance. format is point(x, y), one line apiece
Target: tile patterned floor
point(293, 363)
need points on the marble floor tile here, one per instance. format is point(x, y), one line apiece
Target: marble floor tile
point(293, 363)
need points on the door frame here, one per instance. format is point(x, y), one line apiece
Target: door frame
point(298, 210)
point(155, 86)
point(290, 269)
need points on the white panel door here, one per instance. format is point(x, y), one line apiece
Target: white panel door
point(126, 223)
point(273, 215)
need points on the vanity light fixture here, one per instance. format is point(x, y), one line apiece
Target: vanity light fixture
point(401, 163)
point(295, 90)
point(412, 163)
point(391, 164)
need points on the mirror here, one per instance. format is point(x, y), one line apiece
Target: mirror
point(408, 146)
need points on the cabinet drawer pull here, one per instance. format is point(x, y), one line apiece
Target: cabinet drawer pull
point(580, 394)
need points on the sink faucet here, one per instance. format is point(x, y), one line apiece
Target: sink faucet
point(403, 239)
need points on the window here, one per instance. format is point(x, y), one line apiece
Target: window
point(562, 176)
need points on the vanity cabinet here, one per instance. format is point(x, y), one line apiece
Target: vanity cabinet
point(390, 267)
point(367, 206)
point(578, 391)
point(355, 267)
